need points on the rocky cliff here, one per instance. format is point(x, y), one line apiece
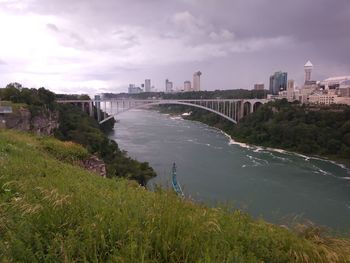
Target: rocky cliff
point(22, 119)
point(94, 164)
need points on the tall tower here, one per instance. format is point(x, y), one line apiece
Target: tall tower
point(308, 69)
point(168, 86)
point(197, 81)
point(147, 85)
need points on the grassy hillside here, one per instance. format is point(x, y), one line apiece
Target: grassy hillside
point(53, 210)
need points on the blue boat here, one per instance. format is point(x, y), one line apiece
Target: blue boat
point(176, 186)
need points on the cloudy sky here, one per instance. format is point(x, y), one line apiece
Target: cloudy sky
point(91, 46)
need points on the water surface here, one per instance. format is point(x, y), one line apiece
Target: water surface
point(212, 168)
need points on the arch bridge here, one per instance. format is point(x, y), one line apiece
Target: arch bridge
point(230, 109)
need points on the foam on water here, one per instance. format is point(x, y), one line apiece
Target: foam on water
point(256, 161)
point(344, 178)
point(264, 150)
point(176, 118)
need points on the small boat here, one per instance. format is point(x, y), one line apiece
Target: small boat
point(176, 186)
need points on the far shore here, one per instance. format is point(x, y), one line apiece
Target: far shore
point(344, 163)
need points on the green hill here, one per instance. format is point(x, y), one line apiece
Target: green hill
point(53, 210)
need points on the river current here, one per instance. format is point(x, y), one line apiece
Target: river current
point(272, 184)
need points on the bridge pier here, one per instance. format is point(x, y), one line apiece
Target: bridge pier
point(241, 115)
point(105, 110)
point(98, 107)
point(91, 109)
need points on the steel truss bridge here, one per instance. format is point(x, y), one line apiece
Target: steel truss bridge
point(230, 109)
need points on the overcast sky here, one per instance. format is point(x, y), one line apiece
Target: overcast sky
point(91, 46)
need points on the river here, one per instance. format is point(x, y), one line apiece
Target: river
point(271, 184)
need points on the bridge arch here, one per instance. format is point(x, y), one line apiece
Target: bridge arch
point(247, 108)
point(172, 103)
point(257, 105)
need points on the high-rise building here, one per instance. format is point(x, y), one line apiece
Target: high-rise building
point(278, 82)
point(197, 81)
point(290, 84)
point(168, 86)
point(134, 90)
point(308, 70)
point(259, 86)
point(147, 85)
point(290, 90)
point(187, 86)
point(344, 91)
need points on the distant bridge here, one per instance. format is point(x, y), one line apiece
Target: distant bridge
point(230, 109)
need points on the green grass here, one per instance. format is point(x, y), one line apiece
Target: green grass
point(51, 210)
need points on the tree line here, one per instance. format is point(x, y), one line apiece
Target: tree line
point(315, 130)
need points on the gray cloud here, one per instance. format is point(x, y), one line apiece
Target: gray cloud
point(52, 27)
point(235, 43)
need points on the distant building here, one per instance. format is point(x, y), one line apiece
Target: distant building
point(147, 85)
point(344, 91)
point(290, 90)
point(278, 82)
point(334, 90)
point(197, 81)
point(168, 86)
point(335, 82)
point(322, 99)
point(187, 86)
point(134, 90)
point(308, 70)
point(259, 86)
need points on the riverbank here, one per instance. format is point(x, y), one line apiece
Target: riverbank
point(318, 133)
point(343, 163)
point(69, 214)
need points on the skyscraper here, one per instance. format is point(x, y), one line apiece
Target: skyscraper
point(290, 90)
point(197, 81)
point(168, 86)
point(278, 82)
point(308, 70)
point(147, 85)
point(187, 86)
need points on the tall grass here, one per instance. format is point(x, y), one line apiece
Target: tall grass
point(51, 210)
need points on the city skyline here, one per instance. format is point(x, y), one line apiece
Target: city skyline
point(94, 46)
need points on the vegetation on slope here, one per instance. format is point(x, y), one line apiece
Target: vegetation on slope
point(76, 125)
point(79, 127)
point(53, 211)
point(306, 129)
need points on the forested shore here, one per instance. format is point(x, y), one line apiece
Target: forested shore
point(312, 130)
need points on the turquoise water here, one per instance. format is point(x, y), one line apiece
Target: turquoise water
point(272, 184)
